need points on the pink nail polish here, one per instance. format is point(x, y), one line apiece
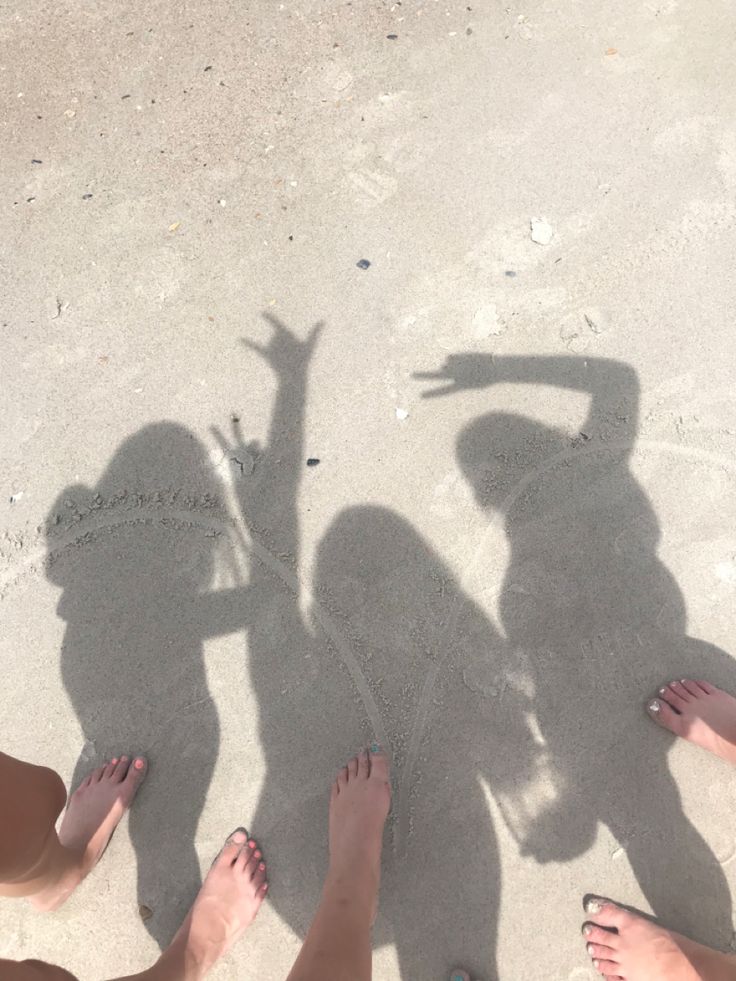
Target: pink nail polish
point(262, 867)
point(257, 854)
point(139, 764)
point(251, 844)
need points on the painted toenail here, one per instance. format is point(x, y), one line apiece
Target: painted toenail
point(590, 948)
point(593, 905)
point(654, 706)
point(375, 748)
point(257, 854)
point(251, 844)
point(138, 764)
point(262, 867)
point(457, 977)
point(596, 963)
point(662, 691)
point(114, 760)
point(587, 929)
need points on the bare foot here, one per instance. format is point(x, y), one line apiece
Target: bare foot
point(225, 907)
point(457, 975)
point(627, 947)
point(700, 713)
point(359, 805)
point(92, 814)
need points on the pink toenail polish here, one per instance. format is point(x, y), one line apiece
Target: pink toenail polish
point(114, 760)
point(251, 844)
point(257, 854)
point(139, 764)
point(262, 867)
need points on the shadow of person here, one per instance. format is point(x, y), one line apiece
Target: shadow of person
point(456, 717)
point(393, 652)
point(134, 556)
point(600, 623)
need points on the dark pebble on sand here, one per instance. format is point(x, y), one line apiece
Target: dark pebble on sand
point(34, 161)
point(86, 197)
point(510, 273)
point(312, 461)
point(363, 263)
point(392, 37)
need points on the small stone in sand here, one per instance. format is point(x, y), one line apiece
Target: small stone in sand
point(486, 322)
point(363, 263)
point(541, 232)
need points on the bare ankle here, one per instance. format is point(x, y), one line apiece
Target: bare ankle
point(353, 890)
point(180, 962)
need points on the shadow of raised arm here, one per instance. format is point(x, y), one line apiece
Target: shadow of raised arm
point(267, 495)
point(612, 385)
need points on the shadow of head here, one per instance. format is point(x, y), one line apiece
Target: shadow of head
point(499, 450)
point(380, 574)
point(158, 475)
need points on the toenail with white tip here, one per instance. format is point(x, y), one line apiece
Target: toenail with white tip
point(593, 906)
point(654, 706)
point(662, 691)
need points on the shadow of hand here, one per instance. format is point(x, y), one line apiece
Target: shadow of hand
point(285, 352)
point(462, 371)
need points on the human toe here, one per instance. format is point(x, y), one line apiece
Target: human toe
point(605, 967)
point(122, 765)
point(109, 768)
point(259, 875)
point(379, 762)
point(134, 777)
point(231, 849)
point(595, 934)
point(676, 694)
point(664, 715)
point(600, 952)
point(692, 688)
point(604, 913)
